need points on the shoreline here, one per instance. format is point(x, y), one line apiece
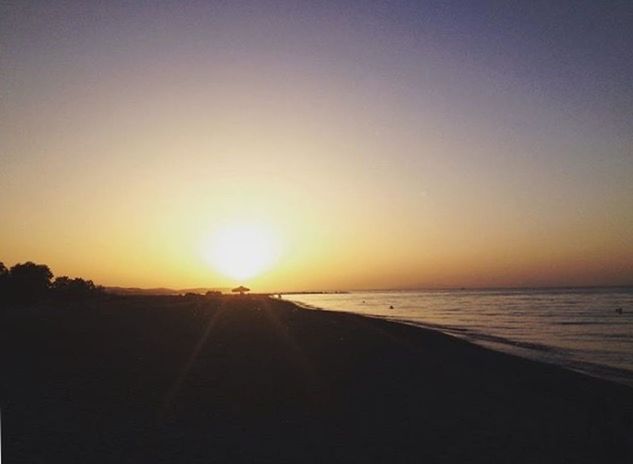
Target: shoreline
point(490, 345)
point(598, 355)
point(256, 379)
point(519, 351)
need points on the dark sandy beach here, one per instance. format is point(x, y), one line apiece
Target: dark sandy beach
point(252, 379)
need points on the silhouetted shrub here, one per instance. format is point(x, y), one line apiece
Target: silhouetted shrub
point(67, 288)
point(192, 296)
point(4, 280)
point(29, 281)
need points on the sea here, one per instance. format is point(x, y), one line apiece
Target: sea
point(589, 330)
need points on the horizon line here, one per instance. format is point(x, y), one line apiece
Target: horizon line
point(402, 289)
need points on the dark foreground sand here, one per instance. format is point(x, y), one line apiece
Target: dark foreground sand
point(174, 379)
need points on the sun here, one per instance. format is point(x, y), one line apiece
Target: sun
point(242, 251)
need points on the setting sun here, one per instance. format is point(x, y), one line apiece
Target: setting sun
point(316, 231)
point(242, 251)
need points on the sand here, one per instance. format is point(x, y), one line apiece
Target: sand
point(251, 379)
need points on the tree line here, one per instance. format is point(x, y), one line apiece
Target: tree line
point(29, 282)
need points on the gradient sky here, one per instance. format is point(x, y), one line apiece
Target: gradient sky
point(389, 144)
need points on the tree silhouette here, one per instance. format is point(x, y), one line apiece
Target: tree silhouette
point(29, 281)
point(67, 288)
point(4, 280)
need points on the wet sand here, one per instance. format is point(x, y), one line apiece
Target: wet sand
point(252, 379)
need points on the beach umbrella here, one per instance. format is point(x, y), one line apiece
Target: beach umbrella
point(241, 290)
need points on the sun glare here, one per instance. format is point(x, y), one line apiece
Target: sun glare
point(242, 251)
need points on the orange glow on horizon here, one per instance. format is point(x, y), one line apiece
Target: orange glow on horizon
point(367, 154)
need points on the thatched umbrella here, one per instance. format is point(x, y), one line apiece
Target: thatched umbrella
point(241, 290)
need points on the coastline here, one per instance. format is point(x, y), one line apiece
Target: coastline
point(252, 379)
point(523, 350)
point(579, 331)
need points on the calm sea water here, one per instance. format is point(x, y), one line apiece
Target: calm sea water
point(579, 329)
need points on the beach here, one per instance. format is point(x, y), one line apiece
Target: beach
point(255, 379)
point(589, 330)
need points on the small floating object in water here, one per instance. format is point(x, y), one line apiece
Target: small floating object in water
point(390, 307)
point(618, 310)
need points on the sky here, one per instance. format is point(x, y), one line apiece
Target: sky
point(384, 144)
